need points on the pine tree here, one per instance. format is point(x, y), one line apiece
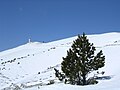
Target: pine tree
point(81, 60)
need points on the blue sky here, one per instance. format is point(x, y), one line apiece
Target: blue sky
point(49, 20)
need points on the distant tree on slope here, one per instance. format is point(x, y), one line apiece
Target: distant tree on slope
point(81, 60)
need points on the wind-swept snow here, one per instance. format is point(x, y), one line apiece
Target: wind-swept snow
point(31, 66)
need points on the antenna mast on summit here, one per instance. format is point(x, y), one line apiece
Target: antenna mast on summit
point(29, 40)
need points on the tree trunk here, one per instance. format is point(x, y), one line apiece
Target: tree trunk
point(84, 80)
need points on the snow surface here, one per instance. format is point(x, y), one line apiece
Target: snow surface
point(31, 66)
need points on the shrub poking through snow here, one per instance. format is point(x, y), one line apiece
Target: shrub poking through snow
point(51, 82)
point(59, 75)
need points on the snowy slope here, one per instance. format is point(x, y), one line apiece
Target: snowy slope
point(30, 66)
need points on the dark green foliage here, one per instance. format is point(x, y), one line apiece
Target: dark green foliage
point(81, 60)
point(59, 75)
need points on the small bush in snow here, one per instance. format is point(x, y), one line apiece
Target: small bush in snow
point(38, 72)
point(59, 75)
point(51, 82)
point(18, 62)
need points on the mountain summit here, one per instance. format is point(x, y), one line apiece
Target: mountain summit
point(31, 66)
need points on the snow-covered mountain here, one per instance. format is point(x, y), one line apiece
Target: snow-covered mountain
point(31, 66)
